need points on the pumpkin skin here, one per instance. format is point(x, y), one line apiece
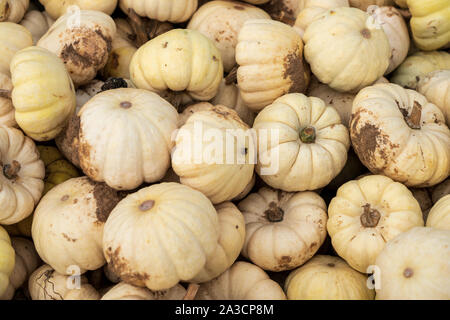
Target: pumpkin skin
point(37, 23)
point(439, 216)
point(175, 11)
point(6, 107)
point(283, 230)
point(13, 38)
point(170, 62)
point(398, 133)
point(221, 22)
point(327, 278)
point(126, 163)
point(284, 10)
point(184, 217)
point(242, 281)
point(435, 86)
point(364, 4)
point(47, 284)
point(21, 180)
point(361, 221)
point(213, 173)
point(418, 65)
point(344, 51)
point(55, 93)
point(125, 291)
point(84, 46)
point(7, 260)
point(13, 10)
point(57, 8)
point(312, 148)
point(415, 266)
point(270, 58)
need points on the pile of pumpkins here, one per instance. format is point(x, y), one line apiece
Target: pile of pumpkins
point(100, 102)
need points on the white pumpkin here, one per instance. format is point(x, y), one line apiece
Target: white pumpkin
point(162, 10)
point(57, 8)
point(125, 291)
point(37, 23)
point(13, 38)
point(13, 10)
point(7, 117)
point(439, 216)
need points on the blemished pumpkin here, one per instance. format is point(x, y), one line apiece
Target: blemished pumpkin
point(345, 51)
point(178, 60)
point(398, 133)
point(175, 11)
point(7, 260)
point(37, 23)
point(327, 278)
point(242, 281)
point(231, 241)
point(365, 4)
point(435, 86)
point(439, 216)
point(221, 22)
point(283, 230)
point(271, 64)
point(7, 117)
point(26, 261)
point(57, 8)
point(13, 10)
point(222, 165)
point(13, 38)
point(125, 291)
point(309, 148)
point(415, 266)
point(47, 284)
point(106, 154)
point(83, 45)
point(172, 227)
point(43, 105)
point(284, 10)
point(21, 177)
point(418, 65)
point(365, 214)
point(71, 217)
point(430, 25)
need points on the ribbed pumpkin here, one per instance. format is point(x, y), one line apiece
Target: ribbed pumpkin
point(439, 216)
point(37, 23)
point(162, 10)
point(13, 10)
point(57, 8)
point(13, 38)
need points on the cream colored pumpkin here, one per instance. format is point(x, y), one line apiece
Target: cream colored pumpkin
point(439, 216)
point(221, 22)
point(364, 4)
point(43, 104)
point(396, 30)
point(37, 23)
point(13, 38)
point(284, 10)
point(133, 145)
point(309, 148)
point(6, 107)
point(21, 177)
point(346, 49)
point(327, 278)
point(214, 153)
point(162, 10)
point(435, 86)
point(418, 65)
point(440, 190)
point(83, 45)
point(243, 281)
point(57, 8)
point(283, 230)
point(398, 133)
point(125, 291)
point(179, 60)
point(231, 241)
point(13, 10)
point(415, 266)
point(7, 260)
point(270, 58)
point(26, 261)
point(160, 235)
point(367, 213)
point(47, 284)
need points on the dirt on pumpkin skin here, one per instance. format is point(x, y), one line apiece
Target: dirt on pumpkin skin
point(120, 266)
point(67, 141)
point(297, 71)
point(106, 198)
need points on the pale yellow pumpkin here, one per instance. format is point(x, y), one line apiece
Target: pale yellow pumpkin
point(13, 37)
point(398, 133)
point(364, 4)
point(43, 104)
point(327, 278)
point(415, 266)
point(162, 10)
point(7, 117)
point(13, 10)
point(367, 213)
point(439, 216)
point(37, 23)
point(125, 291)
point(283, 230)
point(57, 8)
point(160, 235)
point(7, 260)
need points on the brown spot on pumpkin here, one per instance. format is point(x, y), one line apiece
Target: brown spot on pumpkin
point(215, 58)
point(75, 201)
point(408, 273)
point(164, 45)
point(147, 205)
point(65, 197)
point(106, 199)
point(113, 60)
point(297, 71)
point(125, 104)
point(68, 238)
point(278, 10)
point(237, 7)
point(121, 267)
point(366, 33)
point(331, 265)
point(68, 140)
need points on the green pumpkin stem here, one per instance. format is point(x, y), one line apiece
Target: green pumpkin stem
point(308, 135)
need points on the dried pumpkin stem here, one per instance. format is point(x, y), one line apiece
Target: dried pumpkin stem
point(10, 171)
point(274, 213)
point(232, 76)
point(5, 10)
point(138, 27)
point(6, 94)
point(308, 134)
point(408, 273)
point(413, 120)
point(370, 217)
point(191, 291)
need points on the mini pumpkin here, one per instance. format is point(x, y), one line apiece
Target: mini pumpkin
point(125, 291)
point(57, 8)
point(398, 133)
point(415, 266)
point(13, 38)
point(283, 230)
point(37, 23)
point(327, 278)
point(439, 216)
point(7, 260)
point(365, 214)
point(162, 10)
point(13, 10)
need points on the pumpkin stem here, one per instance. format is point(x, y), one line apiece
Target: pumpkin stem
point(232, 76)
point(5, 10)
point(308, 134)
point(274, 213)
point(413, 120)
point(191, 291)
point(10, 171)
point(146, 29)
point(370, 217)
point(146, 205)
point(408, 273)
point(6, 94)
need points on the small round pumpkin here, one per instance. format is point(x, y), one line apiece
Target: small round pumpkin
point(57, 8)
point(37, 23)
point(13, 10)
point(327, 278)
point(439, 216)
point(125, 291)
point(415, 266)
point(367, 213)
point(7, 260)
point(13, 38)
point(283, 230)
point(175, 11)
